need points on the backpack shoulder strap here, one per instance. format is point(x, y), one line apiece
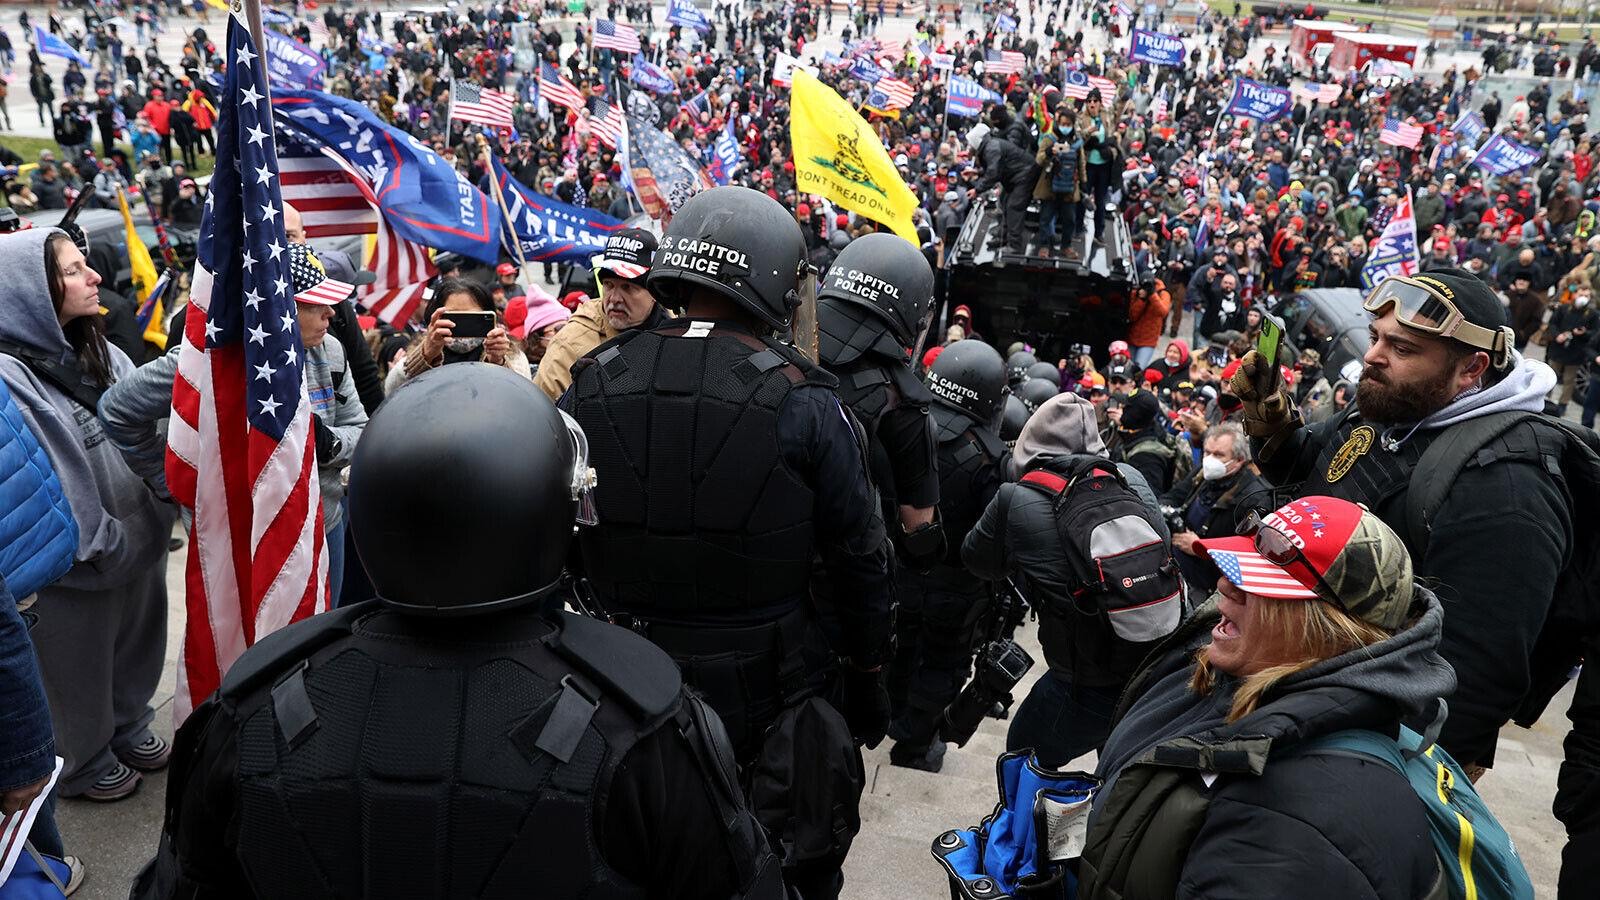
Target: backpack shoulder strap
point(1442, 462)
point(1357, 743)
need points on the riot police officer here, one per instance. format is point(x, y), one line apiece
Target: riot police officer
point(872, 312)
point(938, 618)
point(449, 739)
point(726, 463)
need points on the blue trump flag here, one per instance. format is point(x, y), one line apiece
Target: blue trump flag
point(1470, 127)
point(291, 64)
point(1254, 100)
point(725, 157)
point(1501, 155)
point(684, 12)
point(422, 197)
point(649, 76)
point(1005, 23)
point(867, 70)
point(1156, 48)
point(967, 97)
point(49, 43)
point(548, 230)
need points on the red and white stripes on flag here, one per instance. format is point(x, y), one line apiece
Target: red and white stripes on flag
point(900, 94)
point(240, 453)
point(329, 202)
point(403, 269)
point(1398, 134)
point(1004, 62)
point(555, 88)
point(1078, 84)
point(1107, 88)
point(605, 121)
point(609, 35)
point(1322, 93)
point(1158, 109)
point(485, 106)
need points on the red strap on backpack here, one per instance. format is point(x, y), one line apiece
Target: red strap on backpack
point(1054, 483)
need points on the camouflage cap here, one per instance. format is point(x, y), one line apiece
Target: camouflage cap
point(1342, 552)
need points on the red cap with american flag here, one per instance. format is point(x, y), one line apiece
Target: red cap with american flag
point(1319, 526)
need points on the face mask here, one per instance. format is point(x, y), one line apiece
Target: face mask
point(1582, 301)
point(1212, 468)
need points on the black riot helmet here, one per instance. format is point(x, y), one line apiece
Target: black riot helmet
point(1017, 366)
point(969, 377)
point(463, 492)
point(1045, 371)
point(741, 244)
point(890, 278)
point(1015, 416)
point(1035, 391)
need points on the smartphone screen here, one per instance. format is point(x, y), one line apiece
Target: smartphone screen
point(470, 324)
point(1267, 346)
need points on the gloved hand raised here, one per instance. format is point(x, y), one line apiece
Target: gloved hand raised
point(866, 704)
point(1267, 411)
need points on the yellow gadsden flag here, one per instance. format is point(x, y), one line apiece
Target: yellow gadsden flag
point(839, 156)
point(143, 272)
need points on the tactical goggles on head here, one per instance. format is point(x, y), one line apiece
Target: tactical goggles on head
point(1425, 307)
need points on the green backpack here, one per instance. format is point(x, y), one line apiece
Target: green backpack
point(1476, 856)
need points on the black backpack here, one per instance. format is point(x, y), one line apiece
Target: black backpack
point(1123, 569)
point(1575, 608)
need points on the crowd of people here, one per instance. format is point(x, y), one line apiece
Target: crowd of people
point(817, 541)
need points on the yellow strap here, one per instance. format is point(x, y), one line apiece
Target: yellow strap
point(1445, 785)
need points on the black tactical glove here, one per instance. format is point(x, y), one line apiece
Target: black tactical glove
point(1267, 414)
point(327, 441)
point(866, 704)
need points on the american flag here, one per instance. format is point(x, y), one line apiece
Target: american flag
point(899, 93)
point(1323, 93)
point(485, 106)
point(1398, 134)
point(1004, 62)
point(240, 453)
point(608, 35)
point(1159, 109)
point(331, 203)
point(403, 269)
point(605, 121)
point(1078, 84)
point(557, 89)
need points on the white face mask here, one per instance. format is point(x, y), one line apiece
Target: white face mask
point(1212, 468)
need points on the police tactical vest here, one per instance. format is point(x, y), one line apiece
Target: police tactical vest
point(699, 513)
point(969, 456)
point(420, 758)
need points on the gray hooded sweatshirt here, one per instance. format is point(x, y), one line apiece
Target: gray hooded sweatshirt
point(123, 528)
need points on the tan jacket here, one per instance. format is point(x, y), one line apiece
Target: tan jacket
point(586, 330)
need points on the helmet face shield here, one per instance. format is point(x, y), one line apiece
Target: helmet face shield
point(583, 477)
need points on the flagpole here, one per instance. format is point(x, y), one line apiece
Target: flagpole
point(505, 214)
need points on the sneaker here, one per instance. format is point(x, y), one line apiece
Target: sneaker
point(76, 872)
point(116, 784)
point(930, 759)
point(150, 755)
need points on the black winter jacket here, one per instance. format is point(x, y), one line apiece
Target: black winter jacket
point(1249, 816)
point(1018, 533)
point(1007, 164)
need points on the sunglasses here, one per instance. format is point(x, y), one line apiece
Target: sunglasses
point(1278, 548)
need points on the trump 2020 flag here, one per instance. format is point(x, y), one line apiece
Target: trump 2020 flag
point(966, 97)
point(1470, 127)
point(55, 46)
point(1005, 23)
point(1501, 155)
point(1395, 251)
point(1156, 48)
point(1254, 100)
point(292, 64)
point(724, 156)
point(685, 13)
point(651, 77)
point(546, 229)
point(240, 450)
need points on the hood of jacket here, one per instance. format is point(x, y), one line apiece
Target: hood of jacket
point(27, 317)
point(1523, 389)
point(1394, 678)
point(1064, 425)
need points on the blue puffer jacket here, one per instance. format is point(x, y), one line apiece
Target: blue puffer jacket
point(38, 534)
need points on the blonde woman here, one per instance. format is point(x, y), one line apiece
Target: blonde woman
point(1317, 627)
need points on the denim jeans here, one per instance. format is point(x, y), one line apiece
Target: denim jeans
point(1062, 723)
point(333, 542)
point(1143, 355)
